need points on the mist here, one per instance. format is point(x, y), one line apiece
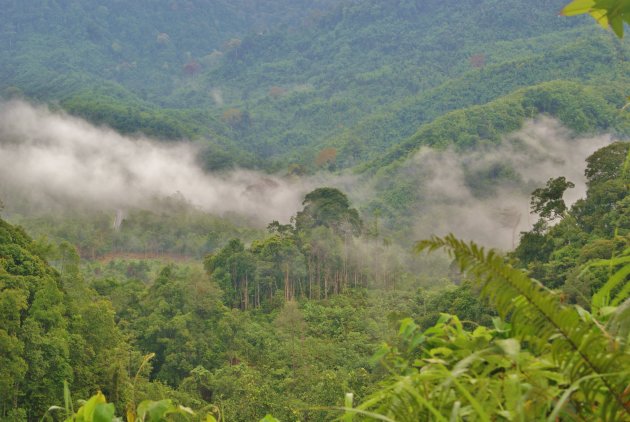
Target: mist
point(56, 160)
point(494, 213)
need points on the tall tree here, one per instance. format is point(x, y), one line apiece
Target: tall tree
point(328, 207)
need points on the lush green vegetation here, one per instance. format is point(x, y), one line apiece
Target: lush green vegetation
point(171, 228)
point(551, 361)
point(360, 78)
point(169, 313)
point(51, 331)
point(259, 330)
point(93, 327)
point(595, 227)
point(146, 46)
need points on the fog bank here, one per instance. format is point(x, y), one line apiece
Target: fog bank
point(55, 158)
point(495, 212)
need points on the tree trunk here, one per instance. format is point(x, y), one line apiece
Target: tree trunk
point(246, 292)
point(310, 278)
point(287, 296)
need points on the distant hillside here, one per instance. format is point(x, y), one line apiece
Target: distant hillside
point(146, 46)
point(582, 108)
point(313, 85)
point(324, 86)
point(586, 61)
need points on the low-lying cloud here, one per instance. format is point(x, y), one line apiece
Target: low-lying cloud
point(543, 149)
point(54, 158)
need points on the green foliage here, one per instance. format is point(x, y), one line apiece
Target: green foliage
point(276, 358)
point(607, 13)
point(617, 289)
point(596, 227)
point(580, 107)
point(312, 259)
point(551, 361)
point(49, 331)
point(595, 363)
point(448, 372)
point(148, 49)
point(285, 324)
point(361, 78)
point(96, 409)
point(126, 117)
point(170, 228)
point(368, 75)
point(571, 60)
point(330, 208)
point(547, 202)
point(463, 301)
point(607, 163)
point(399, 178)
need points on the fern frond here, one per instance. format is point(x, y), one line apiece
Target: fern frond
point(400, 400)
point(619, 323)
point(617, 282)
point(578, 344)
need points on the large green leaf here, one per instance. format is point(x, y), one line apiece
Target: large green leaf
point(154, 411)
point(104, 412)
point(578, 7)
point(86, 412)
point(608, 13)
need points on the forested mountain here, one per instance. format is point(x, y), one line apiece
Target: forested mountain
point(365, 56)
point(359, 77)
point(142, 45)
point(214, 210)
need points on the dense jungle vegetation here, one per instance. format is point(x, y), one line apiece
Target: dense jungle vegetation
point(170, 311)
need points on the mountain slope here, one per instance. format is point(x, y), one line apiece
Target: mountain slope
point(401, 178)
point(142, 44)
point(359, 76)
point(332, 84)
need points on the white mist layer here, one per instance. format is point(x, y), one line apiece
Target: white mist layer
point(543, 149)
point(56, 158)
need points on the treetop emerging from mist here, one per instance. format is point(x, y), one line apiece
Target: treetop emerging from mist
point(328, 207)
